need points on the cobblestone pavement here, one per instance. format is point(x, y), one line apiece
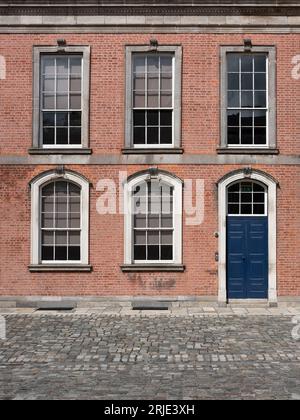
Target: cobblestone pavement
point(92, 356)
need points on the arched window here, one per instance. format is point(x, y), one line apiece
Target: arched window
point(60, 206)
point(60, 222)
point(246, 198)
point(153, 212)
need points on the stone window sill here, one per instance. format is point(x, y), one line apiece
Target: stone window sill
point(152, 267)
point(247, 151)
point(71, 151)
point(62, 268)
point(153, 151)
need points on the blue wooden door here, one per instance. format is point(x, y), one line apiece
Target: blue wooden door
point(247, 257)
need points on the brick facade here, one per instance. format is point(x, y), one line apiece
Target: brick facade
point(200, 138)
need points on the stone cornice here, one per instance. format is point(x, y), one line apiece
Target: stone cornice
point(151, 8)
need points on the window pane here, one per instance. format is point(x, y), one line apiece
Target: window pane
point(233, 208)
point(74, 253)
point(166, 82)
point(234, 188)
point(48, 205)
point(61, 188)
point(233, 197)
point(61, 221)
point(247, 134)
point(152, 118)
point(166, 118)
point(48, 238)
point(75, 65)
point(167, 237)
point(247, 81)
point(75, 101)
point(75, 119)
point(48, 102)
point(233, 61)
point(260, 135)
point(166, 135)
point(260, 118)
point(61, 238)
point(246, 197)
point(233, 99)
point(75, 135)
point(139, 99)
point(247, 63)
point(260, 100)
point(258, 197)
point(139, 82)
point(62, 65)
point(75, 84)
point(153, 66)
point(260, 81)
point(247, 99)
point(74, 190)
point(152, 136)
point(140, 253)
point(153, 221)
point(47, 253)
point(139, 136)
point(260, 62)
point(74, 238)
point(62, 119)
point(167, 220)
point(48, 84)
point(246, 208)
point(233, 135)
point(48, 65)
point(140, 221)
point(74, 222)
point(233, 118)
point(153, 82)
point(258, 209)
point(62, 136)
point(139, 118)
point(140, 238)
point(247, 119)
point(153, 100)
point(166, 64)
point(61, 205)
point(139, 64)
point(233, 81)
point(167, 253)
point(62, 102)
point(166, 99)
point(153, 252)
point(153, 238)
point(74, 205)
point(47, 221)
point(48, 119)
point(61, 253)
point(62, 84)
point(48, 136)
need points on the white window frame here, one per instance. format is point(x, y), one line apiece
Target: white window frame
point(176, 51)
point(37, 143)
point(36, 187)
point(129, 188)
point(239, 203)
point(271, 141)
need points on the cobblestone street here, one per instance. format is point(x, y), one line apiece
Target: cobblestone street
point(92, 356)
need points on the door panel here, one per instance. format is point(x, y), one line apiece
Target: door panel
point(247, 257)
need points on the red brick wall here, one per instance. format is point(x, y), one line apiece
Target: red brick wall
point(106, 240)
point(200, 99)
point(200, 128)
